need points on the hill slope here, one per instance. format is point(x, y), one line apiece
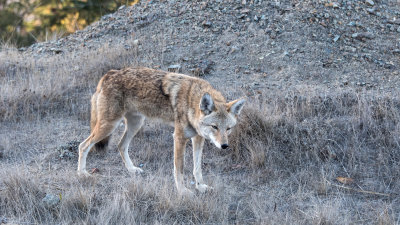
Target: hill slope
point(321, 79)
point(336, 43)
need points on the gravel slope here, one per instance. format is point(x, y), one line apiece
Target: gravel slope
point(261, 44)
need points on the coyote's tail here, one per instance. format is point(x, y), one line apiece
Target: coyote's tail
point(101, 145)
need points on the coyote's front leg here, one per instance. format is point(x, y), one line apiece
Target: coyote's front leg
point(179, 153)
point(198, 143)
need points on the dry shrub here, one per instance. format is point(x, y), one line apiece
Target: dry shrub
point(22, 198)
point(288, 129)
point(78, 204)
point(251, 136)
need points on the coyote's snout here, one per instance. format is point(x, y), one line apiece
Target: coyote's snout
point(196, 110)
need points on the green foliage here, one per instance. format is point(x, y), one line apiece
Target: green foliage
point(24, 22)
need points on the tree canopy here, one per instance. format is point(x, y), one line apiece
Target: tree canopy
point(25, 22)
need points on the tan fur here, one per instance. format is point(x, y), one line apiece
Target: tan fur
point(191, 105)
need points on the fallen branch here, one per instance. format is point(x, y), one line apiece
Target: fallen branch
point(358, 190)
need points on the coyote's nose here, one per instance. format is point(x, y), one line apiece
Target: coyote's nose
point(224, 146)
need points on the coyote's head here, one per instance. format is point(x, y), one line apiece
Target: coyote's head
point(218, 119)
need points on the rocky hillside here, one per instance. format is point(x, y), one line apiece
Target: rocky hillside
point(260, 44)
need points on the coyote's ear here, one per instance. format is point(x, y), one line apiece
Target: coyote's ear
point(236, 106)
point(207, 104)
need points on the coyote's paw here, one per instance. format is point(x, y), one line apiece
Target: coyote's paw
point(203, 188)
point(135, 170)
point(83, 173)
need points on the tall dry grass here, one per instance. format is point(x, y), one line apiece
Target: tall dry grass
point(286, 153)
point(35, 86)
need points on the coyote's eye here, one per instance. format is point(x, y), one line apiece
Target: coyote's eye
point(214, 127)
point(228, 128)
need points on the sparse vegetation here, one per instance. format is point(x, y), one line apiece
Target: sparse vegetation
point(296, 135)
point(286, 154)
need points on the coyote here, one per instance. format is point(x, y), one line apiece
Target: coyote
point(190, 104)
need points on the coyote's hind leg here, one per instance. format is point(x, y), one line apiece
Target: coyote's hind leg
point(133, 123)
point(100, 132)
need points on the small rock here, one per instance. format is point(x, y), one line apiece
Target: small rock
point(205, 66)
point(389, 65)
point(122, 7)
point(370, 2)
point(51, 200)
point(362, 36)
point(351, 24)
point(3, 220)
point(379, 62)
point(332, 4)
point(241, 16)
point(350, 48)
point(371, 10)
point(69, 150)
point(336, 38)
point(368, 57)
point(55, 50)
point(174, 68)
point(234, 49)
point(255, 18)
point(245, 11)
point(207, 24)
point(396, 51)
point(398, 29)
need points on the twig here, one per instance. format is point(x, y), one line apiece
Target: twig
point(358, 190)
point(303, 212)
point(4, 220)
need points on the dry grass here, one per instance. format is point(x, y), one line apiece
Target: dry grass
point(33, 87)
point(287, 151)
